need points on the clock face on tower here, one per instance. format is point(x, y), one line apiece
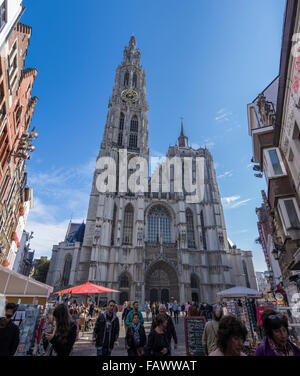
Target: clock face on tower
point(129, 95)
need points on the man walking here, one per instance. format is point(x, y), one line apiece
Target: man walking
point(170, 329)
point(209, 338)
point(9, 332)
point(125, 312)
point(106, 331)
point(129, 318)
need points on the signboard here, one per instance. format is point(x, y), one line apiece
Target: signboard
point(193, 329)
point(2, 305)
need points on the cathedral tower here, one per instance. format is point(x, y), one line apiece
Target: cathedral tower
point(156, 245)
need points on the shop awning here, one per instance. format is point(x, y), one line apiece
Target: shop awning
point(17, 285)
point(238, 292)
point(86, 288)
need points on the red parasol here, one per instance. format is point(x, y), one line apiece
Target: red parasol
point(86, 288)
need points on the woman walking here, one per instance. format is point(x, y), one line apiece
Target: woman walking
point(230, 337)
point(60, 342)
point(135, 337)
point(158, 344)
point(276, 341)
point(176, 310)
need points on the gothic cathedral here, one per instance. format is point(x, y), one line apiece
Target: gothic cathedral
point(152, 246)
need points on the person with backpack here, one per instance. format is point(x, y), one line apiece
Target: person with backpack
point(106, 331)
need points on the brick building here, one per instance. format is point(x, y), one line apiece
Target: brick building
point(16, 111)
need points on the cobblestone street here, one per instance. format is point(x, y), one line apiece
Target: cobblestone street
point(85, 347)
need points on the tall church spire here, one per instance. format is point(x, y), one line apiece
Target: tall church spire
point(183, 141)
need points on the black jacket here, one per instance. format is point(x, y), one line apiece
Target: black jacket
point(63, 349)
point(9, 339)
point(171, 332)
point(156, 342)
point(125, 313)
point(130, 342)
point(100, 329)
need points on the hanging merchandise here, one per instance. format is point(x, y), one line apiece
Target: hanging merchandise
point(27, 318)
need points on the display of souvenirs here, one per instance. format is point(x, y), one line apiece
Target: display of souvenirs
point(27, 318)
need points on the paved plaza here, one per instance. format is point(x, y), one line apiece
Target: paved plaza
point(85, 347)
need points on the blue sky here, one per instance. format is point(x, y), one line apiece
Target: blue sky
point(204, 60)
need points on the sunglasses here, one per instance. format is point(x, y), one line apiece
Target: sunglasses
point(278, 316)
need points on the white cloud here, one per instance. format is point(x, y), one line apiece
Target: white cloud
point(232, 202)
point(226, 174)
point(223, 115)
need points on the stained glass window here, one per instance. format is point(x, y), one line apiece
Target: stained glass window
point(159, 225)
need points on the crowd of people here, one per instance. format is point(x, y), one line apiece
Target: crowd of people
point(223, 335)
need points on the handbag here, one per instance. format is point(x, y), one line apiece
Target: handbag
point(50, 351)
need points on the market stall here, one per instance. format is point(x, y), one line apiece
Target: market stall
point(31, 297)
point(20, 289)
point(241, 302)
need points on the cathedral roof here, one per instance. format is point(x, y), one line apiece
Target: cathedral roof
point(231, 244)
point(75, 232)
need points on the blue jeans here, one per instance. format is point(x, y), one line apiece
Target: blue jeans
point(103, 351)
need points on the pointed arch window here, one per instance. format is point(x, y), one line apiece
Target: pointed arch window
point(121, 123)
point(113, 225)
point(120, 139)
point(190, 228)
point(128, 225)
point(159, 225)
point(67, 270)
point(203, 231)
point(126, 79)
point(194, 282)
point(133, 136)
point(134, 80)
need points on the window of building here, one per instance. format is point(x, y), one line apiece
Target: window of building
point(289, 212)
point(126, 79)
point(113, 225)
point(122, 118)
point(124, 281)
point(13, 65)
point(190, 228)
point(159, 224)
point(194, 282)
point(203, 231)
point(128, 225)
point(67, 270)
point(273, 164)
point(132, 141)
point(120, 139)
point(134, 80)
point(134, 124)
point(296, 137)
point(3, 15)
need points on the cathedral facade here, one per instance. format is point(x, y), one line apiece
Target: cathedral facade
point(155, 245)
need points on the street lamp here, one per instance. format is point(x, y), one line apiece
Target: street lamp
point(25, 145)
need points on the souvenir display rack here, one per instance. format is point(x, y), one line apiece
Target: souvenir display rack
point(27, 318)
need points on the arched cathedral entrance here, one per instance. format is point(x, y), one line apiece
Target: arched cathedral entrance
point(161, 283)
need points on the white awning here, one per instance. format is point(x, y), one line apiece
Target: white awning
point(15, 284)
point(239, 291)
